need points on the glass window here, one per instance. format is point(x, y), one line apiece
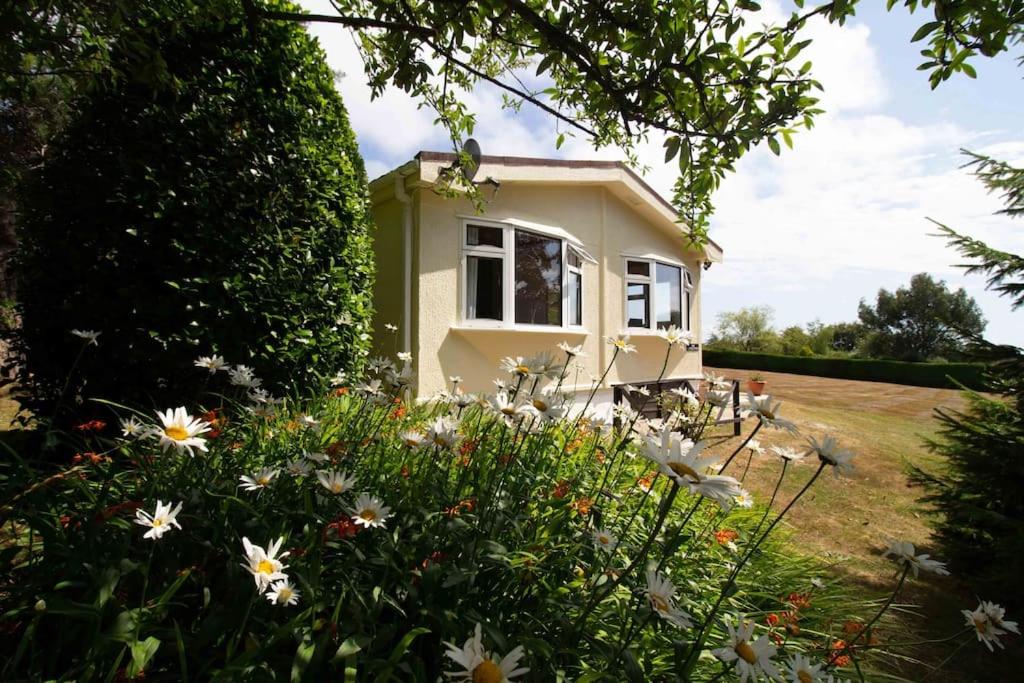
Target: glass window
point(483, 287)
point(638, 268)
point(538, 276)
point(575, 298)
point(668, 298)
point(573, 259)
point(638, 304)
point(482, 235)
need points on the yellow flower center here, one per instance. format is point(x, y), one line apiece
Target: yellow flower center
point(263, 481)
point(660, 604)
point(603, 540)
point(768, 414)
point(509, 410)
point(804, 677)
point(746, 652)
point(684, 470)
point(265, 567)
point(522, 370)
point(981, 624)
point(157, 522)
point(368, 514)
point(337, 487)
point(284, 594)
point(539, 404)
point(488, 672)
point(176, 432)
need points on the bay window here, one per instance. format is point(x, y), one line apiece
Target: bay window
point(658, 295)
point(517, 276)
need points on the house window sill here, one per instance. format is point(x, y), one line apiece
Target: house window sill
point(520, 329)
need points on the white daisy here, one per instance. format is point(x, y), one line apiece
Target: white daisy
point(283, 593)
point(719, 399)
point(443, 433)
point(661, 594)
point(455, 380)
point(572, 351)
point(318, 458)
point(903, 553)
point(390, 328)
point(181, 431)
point(297, 468)
point(371, 388)
point(716, 381)
point(212, 363)
point(767, 411)
point(243, 376)
point(404, 356)
point(604, 539)
point(257, 480)
point(264, 565)
point(683, 461)
point(828, 451)
point(160, 522)
point(132, 427)
point(743, 499)
point(989, 625)
point(339, 378)
point(547, 408)
point(90, 336)
point(480, 666)
point(755, 447)
point(801, 670)
point(335, 482)
point(515, 366)
point(675, 336)
point(370, 511)
point(786, 453)
point(752, 658)
point(621, 343)
point(412, 438)
point(544, 365)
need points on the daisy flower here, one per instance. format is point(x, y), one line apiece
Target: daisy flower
point(716, 381)
point(675, 336)
point(443, 433)
point(544, 365)
point(755, 447)
point(902, 552)
point(308, 421)
point(743, 499)
point(828, 451)
point(799, 669)
point(719, 399)
point(661, 594)
point(212, 363)
point(988, 624)
point(404, 356)
point(604, 539)
point(682, 460)
point(455, 380)
point(390, 328)
point(181, 431)
point(786, 453)
point(160, 522)
point(412, 438)
point(480, 666)
point(283, 593)
point(257, 480)
point(752, 658)
point(572, 351)
point(335, 482)
point(371, 388)
point(546, 408)
point(318, 458)
point(370, 511)
point(132, 428)
point(90, 336)
point(515, 366)
point(767, 411)
point(297, 467)
point(502, 403)
point(264, 565)
point(621, 343)
point(243, 376)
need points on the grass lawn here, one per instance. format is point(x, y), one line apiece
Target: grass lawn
point(848, 521)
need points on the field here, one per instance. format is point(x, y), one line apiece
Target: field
point(848, 521)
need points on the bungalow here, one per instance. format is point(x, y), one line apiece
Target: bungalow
point(572, 251)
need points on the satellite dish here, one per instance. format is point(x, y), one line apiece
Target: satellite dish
point(472, 148)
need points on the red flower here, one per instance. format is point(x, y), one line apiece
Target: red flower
point(91, 426)
point(798, 600)
point(725, 536)
point(561, 489)
point(772, 620)
point(838, 656)
point(344, 527)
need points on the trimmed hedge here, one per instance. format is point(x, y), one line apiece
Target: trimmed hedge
point(941, 375)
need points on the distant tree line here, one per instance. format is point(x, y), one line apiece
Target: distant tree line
point(921, 322)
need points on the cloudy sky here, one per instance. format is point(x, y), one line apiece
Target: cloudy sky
point(814, 231)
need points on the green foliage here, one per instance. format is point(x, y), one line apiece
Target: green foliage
point(919, 322)
point(221, 209)
point(978, 495)
point(947, 375)
point(748, 329)
point(495, 529)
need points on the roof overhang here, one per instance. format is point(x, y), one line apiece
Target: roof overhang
point(616, 177)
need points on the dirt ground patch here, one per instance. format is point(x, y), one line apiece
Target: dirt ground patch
point(847, 522)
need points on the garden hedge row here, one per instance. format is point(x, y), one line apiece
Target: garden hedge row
point(942, 375)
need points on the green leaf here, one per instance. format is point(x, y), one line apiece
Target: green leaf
point(141, 654)
point(924, 30)
point(773, 145)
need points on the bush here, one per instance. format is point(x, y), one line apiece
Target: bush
point(505, 512)
point(942, 375)
point(222, 209)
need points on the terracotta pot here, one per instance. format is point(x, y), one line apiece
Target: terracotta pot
point(756, 386)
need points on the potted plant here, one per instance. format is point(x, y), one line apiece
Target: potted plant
point(756, 384)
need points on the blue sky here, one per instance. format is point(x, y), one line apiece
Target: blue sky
point(812, 232)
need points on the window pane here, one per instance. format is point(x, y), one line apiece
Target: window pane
point(477, 235)
point(575, 298)
point(669, 305)
point(638, 308)
point(538, 279)
point(483, 288)
point(573, 259)
point(638, 268)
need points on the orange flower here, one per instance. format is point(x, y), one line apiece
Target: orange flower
point(336, 449)
point(646, 481)
point(798, 600)
point(398, 413)
point(726, 536)
point(340, 391)
point(582, 506)
point(405, 471)
point(852, 627)
point(561, 489)
point(468, 446)
point(772, 619)
point(599, 456)
point(838, 656)
point(91, 426)
point(344, 527)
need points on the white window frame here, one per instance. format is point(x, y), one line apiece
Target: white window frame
point(507, 254)
point(685, 291)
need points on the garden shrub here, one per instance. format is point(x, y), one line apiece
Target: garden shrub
point(943, 375)
point(595, 548)
point(222, 208)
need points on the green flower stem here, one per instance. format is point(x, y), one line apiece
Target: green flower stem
point(775, 492)
point(750, 436)
point(848, 649)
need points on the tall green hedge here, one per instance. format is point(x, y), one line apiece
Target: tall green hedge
point(942, 375)
point(220, 208)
